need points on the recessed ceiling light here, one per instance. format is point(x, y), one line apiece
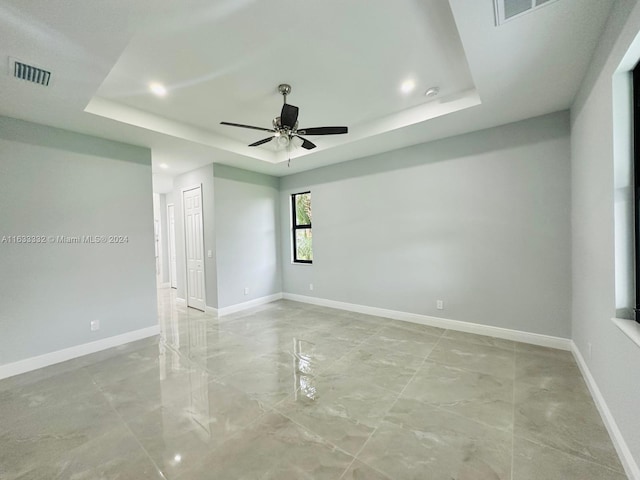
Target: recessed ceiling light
point(432, 92)
point(164, 165)
point(158, 89)
point(407, 86)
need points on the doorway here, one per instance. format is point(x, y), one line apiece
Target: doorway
point(194, 247)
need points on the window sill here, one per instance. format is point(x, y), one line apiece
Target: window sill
point(630, 328)
point(302, 263)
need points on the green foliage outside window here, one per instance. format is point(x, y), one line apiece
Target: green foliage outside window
point(302, 227)
point(303, 209)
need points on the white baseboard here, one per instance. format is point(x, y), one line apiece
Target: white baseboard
point(508, 334)
point(182, 301)
point(33, 363)
point(626, 458)
point(212, 310)
point(164, 285)
point(238, 307)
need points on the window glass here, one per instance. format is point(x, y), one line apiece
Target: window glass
point(301, 227)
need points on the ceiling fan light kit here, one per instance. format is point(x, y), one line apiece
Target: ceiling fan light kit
point(283, 140)
point(285, 127)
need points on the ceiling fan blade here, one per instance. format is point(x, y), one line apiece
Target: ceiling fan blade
point(247, 126)
point(289, 115)
point(260, 142)
point(323, 131)
point(306, 143)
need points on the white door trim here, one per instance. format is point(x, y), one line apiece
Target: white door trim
point(171, 242)
point(157, 238)
point(184, 232)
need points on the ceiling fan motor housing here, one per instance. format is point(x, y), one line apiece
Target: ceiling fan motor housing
point(278, 127)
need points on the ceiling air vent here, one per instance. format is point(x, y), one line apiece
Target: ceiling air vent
point(509, 9)
point(29, 73)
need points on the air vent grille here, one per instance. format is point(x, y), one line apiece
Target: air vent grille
point(509, 9)
point(30, 73)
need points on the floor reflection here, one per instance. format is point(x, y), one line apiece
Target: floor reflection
point(198, 379)
point(303, 381)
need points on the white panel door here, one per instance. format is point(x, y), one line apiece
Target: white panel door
point(194, 247)
point(171, 222)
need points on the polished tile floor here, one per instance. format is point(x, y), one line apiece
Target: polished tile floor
point(293, 391)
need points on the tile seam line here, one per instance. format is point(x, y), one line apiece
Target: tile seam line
point(537, 442)
point(357, 455)
point(472, 371)
point(267, 409)
point(135, 437)
point(458, 414)
point(591, 462)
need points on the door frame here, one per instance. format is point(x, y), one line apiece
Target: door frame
point(184, 244)
point(157, 239)
point(172, 242)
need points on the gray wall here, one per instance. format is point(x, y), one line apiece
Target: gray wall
point(247, 237)
point(615, 359)
point(55, 182)
point(480, 221)
point(203, 177)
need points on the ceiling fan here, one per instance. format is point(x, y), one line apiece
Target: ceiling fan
point(285, 127)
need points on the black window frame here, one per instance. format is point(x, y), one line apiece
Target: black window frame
point(295, 227)
point(636, 185)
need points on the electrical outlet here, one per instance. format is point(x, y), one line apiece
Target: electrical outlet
point(439, 304)
point(95, 325)
point(210, 253)
point(246, 290)
point(311, 286)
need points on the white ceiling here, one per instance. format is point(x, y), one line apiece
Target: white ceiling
point(222, 60)
point(225, 61)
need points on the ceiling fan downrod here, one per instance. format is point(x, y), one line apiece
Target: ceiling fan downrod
point(284, 89)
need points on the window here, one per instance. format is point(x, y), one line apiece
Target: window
point(301, 227)
point(508, 9)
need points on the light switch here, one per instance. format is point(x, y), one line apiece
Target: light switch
point(209, 253)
